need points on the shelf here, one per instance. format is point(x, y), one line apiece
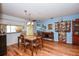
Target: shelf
point(63, 26)
point(75, 29)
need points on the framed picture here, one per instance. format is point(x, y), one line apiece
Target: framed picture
point(68, 26)
point(56, 26)
point(63, 26)
point(49, 26)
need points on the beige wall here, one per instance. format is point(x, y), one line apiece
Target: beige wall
point(30, 29)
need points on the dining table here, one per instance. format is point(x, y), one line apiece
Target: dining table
point(31, 39)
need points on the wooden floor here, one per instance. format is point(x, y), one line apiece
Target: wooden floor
point(49, 49)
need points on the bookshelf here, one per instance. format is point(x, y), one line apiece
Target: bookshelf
point(62, 28)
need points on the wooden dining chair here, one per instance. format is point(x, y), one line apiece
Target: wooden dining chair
point(23, 42)
point(20, 41)
point(37, 44)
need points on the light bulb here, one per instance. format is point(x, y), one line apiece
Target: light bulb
point(28, 23)
point(32, 23)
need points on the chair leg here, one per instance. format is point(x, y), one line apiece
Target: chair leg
point(31, 49)
point(36, 51)
point(24, 48)
point(32, 52)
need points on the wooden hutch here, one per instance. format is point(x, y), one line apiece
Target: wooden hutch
point(75, 32)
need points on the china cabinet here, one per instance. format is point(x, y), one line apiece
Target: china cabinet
point(75, 31)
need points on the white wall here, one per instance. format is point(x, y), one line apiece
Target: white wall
point(6, 19)
point(12, 38)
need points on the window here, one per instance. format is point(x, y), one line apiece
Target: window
point(11, 28)
point(8, 29)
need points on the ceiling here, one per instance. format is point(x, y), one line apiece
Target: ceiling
point(40, 11)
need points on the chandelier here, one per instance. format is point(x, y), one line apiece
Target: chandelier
point(30, 22)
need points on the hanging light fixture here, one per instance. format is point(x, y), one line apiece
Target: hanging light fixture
point(30, 22)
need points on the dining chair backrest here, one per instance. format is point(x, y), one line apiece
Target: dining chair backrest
point(39, 40)
point(22, 38)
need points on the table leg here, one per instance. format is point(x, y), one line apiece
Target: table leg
point(31, 48)
point(18, 42)
point(42, 42)
point(32, 51)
